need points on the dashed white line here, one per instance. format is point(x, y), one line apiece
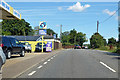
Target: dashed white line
point(54, 56)
point(40, 67)
point(45, 63)
point(51, 57)
point(108, 67)
point(49, 60)
point(33, 72)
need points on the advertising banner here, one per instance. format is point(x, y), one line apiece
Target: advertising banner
point(49, 46)
point(42, 32)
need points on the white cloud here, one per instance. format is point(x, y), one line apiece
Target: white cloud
point(78, 7)
point(109, 12)
point(60, 8)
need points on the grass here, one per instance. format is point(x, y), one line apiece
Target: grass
point(106, 48)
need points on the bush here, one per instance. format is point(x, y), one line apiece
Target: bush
point(104, 48)
point(118, 50)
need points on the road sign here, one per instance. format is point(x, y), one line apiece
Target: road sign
point(43, 25)
point(54, 35)
point(42, 32)
point(49, 46)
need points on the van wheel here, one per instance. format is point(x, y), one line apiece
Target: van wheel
point(22, 54)
point(8, 55)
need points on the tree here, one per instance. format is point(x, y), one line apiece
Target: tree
point(81, 38)
point(65, 37)
point(97, 41)
point(50, 31)
point(112, 41)
point(73, 35)
point(16, 27)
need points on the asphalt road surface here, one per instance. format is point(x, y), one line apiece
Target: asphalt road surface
point(72, 63)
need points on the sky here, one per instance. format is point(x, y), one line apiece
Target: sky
point(81, 16)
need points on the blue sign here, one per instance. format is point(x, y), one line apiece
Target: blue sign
point(42, 32)
point(49, 46)
point(54, 35)
point(5, 5)
point(16, 13)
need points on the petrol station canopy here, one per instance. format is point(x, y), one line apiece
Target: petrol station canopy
point(8, 12)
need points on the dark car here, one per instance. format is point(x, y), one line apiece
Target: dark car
point(27, 46)
point(2, 61)
point(39, 47)
point(12, 46)
point(77, 47)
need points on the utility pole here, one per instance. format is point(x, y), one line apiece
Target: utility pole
point(60, 32)
point(97, 26)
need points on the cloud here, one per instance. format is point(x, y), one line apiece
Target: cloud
point(59, 8)
point(78, 7)
point(109, 12)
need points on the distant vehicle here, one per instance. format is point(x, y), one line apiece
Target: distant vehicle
point(27, 46)
point(77, 47)
point(12, 46)
point(2, 60)
point(39, 47)
point(84, 47)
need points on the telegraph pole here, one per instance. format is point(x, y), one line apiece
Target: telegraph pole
point(97, 26)
point(60, 32)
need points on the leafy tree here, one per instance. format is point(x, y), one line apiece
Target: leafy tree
point(65, 37)
point(73, 35)
point(97, 41)
point(50, 31)
point(112, 41)
point(81, 38)
point(16, 27)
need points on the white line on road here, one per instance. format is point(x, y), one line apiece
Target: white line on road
point(108, 67)
point(51, 57)
point(40, 67)
point(54, 56)
point(33, 72)
point(45, 63)
point(49, 60)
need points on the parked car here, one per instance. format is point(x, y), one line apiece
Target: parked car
point(27, 46)
point(77, 47)
point(12, 46)
point(39, 47)
point(2, 61)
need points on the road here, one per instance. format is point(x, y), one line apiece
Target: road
point(72, 63)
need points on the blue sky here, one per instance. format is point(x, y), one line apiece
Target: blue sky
point(81, 16)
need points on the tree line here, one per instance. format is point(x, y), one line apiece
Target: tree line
point(73, 38)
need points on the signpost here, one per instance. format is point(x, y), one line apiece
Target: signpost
point(42, 30)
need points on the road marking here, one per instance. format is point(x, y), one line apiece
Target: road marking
point(108, 67)
point(51, 57)
point(33, 72)
point(54, 56)
point(45, 63)
point(49, 60)
point(40, 67)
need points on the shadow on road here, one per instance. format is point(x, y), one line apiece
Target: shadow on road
point(112, 54)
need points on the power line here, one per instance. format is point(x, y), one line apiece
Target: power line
point(109, 17)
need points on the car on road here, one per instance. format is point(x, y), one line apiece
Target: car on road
point(2, 61)
point(77, 47)
point(27, 46)
point(11, 46)
point(39, 47)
